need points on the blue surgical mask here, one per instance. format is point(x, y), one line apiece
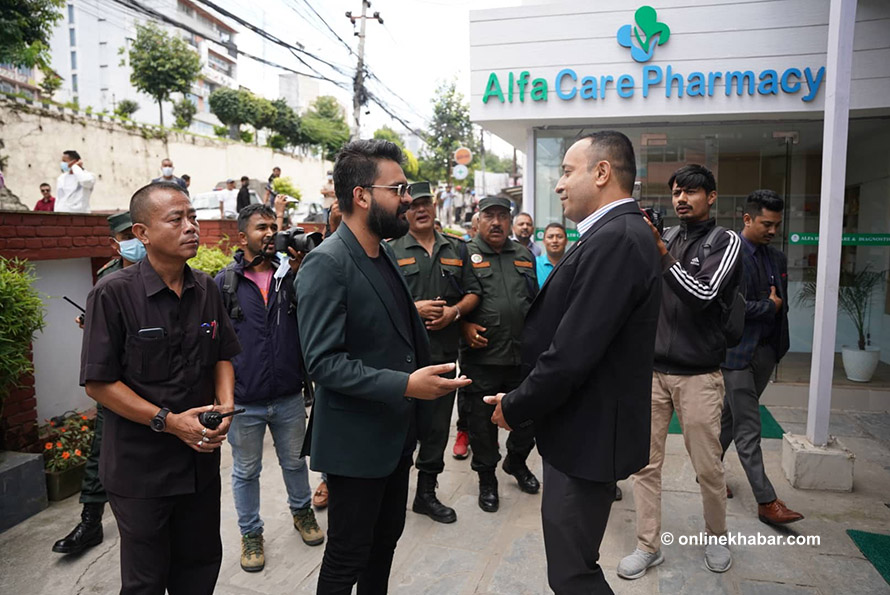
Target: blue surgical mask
point(133, 250)
point(64, 166)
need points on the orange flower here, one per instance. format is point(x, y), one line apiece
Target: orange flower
point(48, 445)
point(66, 455)
point(77, 451)
point(84, 428)
point(58, 445)
point(52, 424)
point(62, 430)
point(83, 417)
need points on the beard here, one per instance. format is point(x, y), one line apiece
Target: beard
point(384, 224)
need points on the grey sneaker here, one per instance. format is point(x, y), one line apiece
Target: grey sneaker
point(717, 557)
point(636, 564)
point(252, 557)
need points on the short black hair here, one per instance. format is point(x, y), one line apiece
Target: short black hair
point(140, 203)
point(276, 167)
point(72, 154)
point(692, 177)
point(249, 211)
point(356, 165)
point(47, 185)
point(616, 148)
point(556, 225)
point(185, 177)
point(245, 179)
point(763, 199)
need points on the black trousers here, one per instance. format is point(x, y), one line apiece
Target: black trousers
point(169, 543)
point(490, 380)
point(91, 489)
point(365, 520)
point(464, 408)
point(433, 436)
point(574, 513)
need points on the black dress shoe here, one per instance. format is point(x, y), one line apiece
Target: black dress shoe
point(618, 494)
point(426, 502)
point(86, 534)
point(527, 481)
point(488, 492)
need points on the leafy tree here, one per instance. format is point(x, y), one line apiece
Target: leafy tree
point(276, 141)
point(21, 315)
point(184, 111)
point(324, 124)
point(25, 29)
point(411, 165)
point(233, 108)
point(162, 64)
point(387, 133)
point(451, 128)
point(287, 123)
point(126, 108)
point(50, 83)
point(263, 115)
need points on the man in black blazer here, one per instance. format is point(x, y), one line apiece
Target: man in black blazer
point(365, 347)
point(749, 365)
point(588, 346)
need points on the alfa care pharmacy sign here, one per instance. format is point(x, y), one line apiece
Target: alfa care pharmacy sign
point(642, 39)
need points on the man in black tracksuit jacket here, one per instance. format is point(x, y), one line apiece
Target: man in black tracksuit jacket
point(700, 267)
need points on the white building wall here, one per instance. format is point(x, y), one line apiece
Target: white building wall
point(57, 347)
point(705, 35)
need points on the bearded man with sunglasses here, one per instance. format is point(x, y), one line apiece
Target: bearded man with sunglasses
point(366, 349)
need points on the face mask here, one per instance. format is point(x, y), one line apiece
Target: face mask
point(64, 166)
point(167, 171)
point(133, 250)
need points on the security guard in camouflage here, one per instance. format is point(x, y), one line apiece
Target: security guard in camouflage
point(88, 532)
point(444, 290)
point(490, 350)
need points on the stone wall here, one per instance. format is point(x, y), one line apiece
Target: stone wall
point(124, 157)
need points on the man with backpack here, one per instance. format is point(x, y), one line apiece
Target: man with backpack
point(702, 270)
point(258, 294)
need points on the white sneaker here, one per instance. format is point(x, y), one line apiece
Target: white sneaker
point(636, 564)
point(717, 557)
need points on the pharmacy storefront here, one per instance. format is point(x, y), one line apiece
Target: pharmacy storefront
point(735, 86)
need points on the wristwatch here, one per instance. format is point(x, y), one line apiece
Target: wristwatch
point(159, 421)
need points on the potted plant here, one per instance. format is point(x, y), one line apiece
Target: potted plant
point(68, 439)
point(854, 299)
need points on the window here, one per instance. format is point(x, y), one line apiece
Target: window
point(185, 9)
point(72, 39)
point(218, 64)
point(73, 60)
point(74, 83)
point(71, 14)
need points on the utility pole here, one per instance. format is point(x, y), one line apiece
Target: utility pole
point(359, 95)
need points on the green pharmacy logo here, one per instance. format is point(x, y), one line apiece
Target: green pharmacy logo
point(647, 34)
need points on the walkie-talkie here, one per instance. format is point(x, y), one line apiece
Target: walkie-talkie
point(212, 419)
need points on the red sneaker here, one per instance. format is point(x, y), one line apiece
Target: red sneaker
point(461, 446)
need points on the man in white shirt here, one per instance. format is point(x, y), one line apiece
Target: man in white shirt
point(74, 186)
point(228, 200)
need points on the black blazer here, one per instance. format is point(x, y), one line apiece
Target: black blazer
point(359, 354)
point(589, 345)
point(759, 308)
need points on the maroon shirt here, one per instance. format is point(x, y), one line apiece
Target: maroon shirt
point(46, 205)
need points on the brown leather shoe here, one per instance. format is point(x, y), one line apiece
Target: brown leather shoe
point(320, 498)
point(776, 513)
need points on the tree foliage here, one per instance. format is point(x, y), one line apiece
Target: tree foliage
point(411, 166)
point(234, 108)
point(21, 315)
point(162, 64)
point(324, 124)
point(450, 129)
point(51, 82)
point(387, 133)
point(263, 114)
point(287, 123)
point(126, 108)
point(25, 29)
point(184, 111)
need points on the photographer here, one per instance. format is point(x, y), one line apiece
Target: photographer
point(258, 293)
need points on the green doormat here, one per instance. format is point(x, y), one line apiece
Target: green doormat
point(769, 427)
point(876, 548)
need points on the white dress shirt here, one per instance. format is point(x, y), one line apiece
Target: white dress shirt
point(598, 214)
point(73, 191)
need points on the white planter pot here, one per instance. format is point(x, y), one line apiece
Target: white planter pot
point(860, 365)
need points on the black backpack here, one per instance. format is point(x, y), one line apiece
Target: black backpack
point(731, 300)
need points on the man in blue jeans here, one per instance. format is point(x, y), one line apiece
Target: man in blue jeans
point(258, 293)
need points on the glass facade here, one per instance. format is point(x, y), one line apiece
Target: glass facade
point(785, 156)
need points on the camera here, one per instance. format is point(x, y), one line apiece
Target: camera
point(298, 239)
point(657, 219)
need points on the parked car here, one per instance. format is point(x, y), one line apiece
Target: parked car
point(207, 204)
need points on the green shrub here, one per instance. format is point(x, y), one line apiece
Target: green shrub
point(21, 315)
point(221, 131)
point(211, 259)
point(246, 136)
point(276, 141)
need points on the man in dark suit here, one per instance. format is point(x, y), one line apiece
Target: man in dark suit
point(589, 345)
point(365, 347)
point(750, 364)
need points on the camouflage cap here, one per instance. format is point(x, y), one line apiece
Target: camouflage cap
point(120, 222)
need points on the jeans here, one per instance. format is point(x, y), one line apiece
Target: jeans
point(286, 418)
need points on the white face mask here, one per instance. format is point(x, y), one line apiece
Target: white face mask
point(167, 171)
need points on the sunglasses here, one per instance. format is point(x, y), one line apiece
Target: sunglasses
point(46, 190)
point(400, 189)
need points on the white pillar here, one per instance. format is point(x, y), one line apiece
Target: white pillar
point(838, 66)
point(528, 175)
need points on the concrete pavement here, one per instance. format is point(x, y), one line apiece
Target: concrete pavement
point(503, 553)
